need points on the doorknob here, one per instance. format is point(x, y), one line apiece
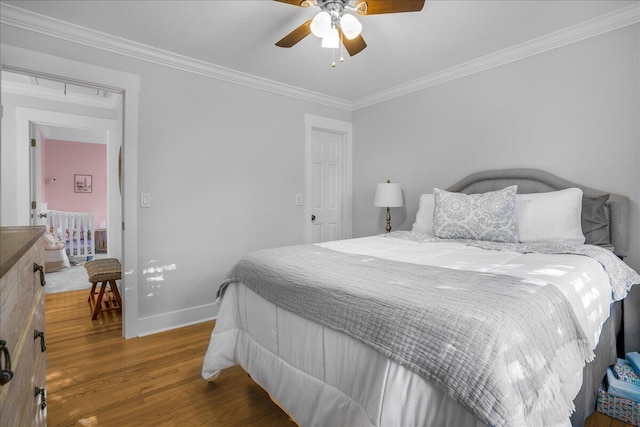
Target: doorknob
point(313, 217)
point(42, 215)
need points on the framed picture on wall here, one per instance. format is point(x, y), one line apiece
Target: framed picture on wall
point(83, 183)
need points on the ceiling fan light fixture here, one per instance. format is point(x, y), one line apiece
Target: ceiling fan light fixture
point(331, 40)
point(321, 24)
point(350, 26)
point(336, 23)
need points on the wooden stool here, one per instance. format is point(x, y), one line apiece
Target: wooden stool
point(107, 271)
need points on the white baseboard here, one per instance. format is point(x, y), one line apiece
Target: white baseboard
point(176, 319)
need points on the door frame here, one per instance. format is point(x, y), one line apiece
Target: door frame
point(36, 63)
point(27, 118)
point(311, 123)
point(35, 169)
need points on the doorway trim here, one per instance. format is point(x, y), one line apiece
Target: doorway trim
point(311, 123)
point(27, 117)
point(27, 61)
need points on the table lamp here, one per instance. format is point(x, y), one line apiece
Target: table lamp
point(389, 195)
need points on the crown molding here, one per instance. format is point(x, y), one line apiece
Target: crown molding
point(111, 103)
point(31, 21)
point(52, 27)
point(603, 24)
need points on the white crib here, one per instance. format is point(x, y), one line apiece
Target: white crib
point(76, 230)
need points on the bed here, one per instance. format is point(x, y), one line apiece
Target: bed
point(347, 333)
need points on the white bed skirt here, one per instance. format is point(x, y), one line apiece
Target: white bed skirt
point(322, 377)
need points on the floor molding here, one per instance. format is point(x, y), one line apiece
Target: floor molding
point(176, 319)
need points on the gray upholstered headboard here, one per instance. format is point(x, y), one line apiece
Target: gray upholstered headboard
point(538, 181)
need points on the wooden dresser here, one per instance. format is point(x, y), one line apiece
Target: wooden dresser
point(22, 338)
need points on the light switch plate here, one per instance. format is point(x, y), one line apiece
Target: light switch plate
point(145, 200)
point(298, 199)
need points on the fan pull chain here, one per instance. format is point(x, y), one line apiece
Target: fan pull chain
point(333, 54)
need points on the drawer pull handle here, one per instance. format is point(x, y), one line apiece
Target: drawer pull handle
point(39, 268)
point(43, 401)
point(6, 374)
point(38, 334)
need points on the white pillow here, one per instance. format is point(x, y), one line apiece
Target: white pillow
point(550, 217)
point(424, 217)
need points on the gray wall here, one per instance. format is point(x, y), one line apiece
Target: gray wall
point(573, 111)
point(222, 162)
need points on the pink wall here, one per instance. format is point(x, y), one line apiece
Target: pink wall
point(63, 160)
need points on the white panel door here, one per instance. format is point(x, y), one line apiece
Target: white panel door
point(327, 177)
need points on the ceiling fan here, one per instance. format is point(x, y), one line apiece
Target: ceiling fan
point(334, 23)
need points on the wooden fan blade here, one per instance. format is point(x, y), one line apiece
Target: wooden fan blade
point(376, 7)
point(354, 46)
point(296, 35)
point(292, 2)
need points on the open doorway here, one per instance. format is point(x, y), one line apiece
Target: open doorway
point(14, 194)
point(72, 201)
point(74, 162)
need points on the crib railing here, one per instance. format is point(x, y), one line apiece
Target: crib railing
point(76, 230)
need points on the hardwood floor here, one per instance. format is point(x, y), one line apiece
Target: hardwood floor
point(97, 378)
point(599, 420)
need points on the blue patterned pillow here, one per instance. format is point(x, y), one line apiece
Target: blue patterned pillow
point(487, 216)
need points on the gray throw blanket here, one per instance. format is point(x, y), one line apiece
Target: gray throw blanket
point(501, 347)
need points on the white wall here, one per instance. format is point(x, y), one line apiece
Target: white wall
point(573, 111)
point(222, 162)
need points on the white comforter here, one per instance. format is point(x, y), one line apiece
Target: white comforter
point(324, 378)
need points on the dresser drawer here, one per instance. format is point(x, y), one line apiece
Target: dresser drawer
point(38, 412)
point(21, 322)
point(38, 333)
point(10, 331)
point(29, 372)
point(19, 288)
point(28, 281)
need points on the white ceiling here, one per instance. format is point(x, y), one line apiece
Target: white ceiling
point(240, 35)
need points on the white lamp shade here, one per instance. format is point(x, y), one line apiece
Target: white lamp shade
point(388, 195)
point(350, 26)
point(331, 40)
point(321, 24)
